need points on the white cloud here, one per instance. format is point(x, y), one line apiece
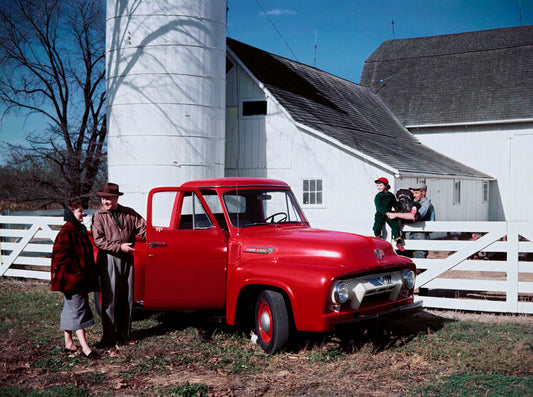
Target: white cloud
point(278, 11)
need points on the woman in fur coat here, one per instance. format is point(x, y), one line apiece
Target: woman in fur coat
point(73, 273)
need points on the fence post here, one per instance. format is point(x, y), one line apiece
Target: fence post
point(513, 239)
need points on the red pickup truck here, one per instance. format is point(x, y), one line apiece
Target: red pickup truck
point(244, 246)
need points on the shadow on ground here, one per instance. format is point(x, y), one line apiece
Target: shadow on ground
point(381, 336)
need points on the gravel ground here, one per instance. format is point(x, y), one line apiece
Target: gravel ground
point(479, 317)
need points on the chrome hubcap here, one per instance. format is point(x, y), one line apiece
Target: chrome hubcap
point(265, 322)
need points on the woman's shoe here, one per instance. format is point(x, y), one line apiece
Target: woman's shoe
point(70, 351)
point(91, 356)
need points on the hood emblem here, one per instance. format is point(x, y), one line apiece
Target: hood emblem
point(259, 250)
point(379, 253)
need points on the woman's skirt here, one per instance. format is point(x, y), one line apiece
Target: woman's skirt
point(76, 313)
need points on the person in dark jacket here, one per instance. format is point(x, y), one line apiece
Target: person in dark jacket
point(385, 201)
point(73, 273)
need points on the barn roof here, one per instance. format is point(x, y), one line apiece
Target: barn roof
point(458, 78)
point(348, 112)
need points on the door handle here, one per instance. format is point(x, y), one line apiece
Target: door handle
point(153, 245)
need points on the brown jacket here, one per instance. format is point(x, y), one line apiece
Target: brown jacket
point(109, 236)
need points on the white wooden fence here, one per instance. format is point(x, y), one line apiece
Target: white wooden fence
point(493, 273)
point(26, 245)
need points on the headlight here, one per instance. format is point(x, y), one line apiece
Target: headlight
point(341, 292)
point(409, 279)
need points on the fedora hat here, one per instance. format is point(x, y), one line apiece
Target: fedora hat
point(109, 189)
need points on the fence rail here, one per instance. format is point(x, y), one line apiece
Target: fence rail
point(491, 273)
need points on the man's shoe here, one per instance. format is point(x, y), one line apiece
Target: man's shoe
point(104, 344)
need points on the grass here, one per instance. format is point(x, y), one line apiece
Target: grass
point(424, 355)
point(189, 390)
point(474, 384)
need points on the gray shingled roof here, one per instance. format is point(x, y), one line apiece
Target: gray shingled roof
point(345, 111)
point(457, 78)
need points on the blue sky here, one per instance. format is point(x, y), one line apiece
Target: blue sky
point(346, 32)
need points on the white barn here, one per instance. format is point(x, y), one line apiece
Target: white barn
point(330, 139)
point(470, 97)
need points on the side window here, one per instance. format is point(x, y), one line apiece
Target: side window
point(163, 209)
point(313, 192)
point(193, 215)
point(485, 192)
point(456, 192)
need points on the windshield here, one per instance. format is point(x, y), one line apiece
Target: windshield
point(250, 207)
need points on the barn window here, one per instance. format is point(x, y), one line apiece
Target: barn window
point(254, 108)
point(313, 193)
point(485, 192)
point(456, 192)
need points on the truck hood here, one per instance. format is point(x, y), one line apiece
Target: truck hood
point(309, 246)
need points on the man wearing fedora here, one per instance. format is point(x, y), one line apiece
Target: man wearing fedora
point(114, 228)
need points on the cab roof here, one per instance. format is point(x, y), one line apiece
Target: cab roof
point(235, 181)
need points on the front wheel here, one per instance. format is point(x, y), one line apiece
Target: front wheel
point(271, 321)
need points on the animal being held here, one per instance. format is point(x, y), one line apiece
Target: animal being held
point(406, 203)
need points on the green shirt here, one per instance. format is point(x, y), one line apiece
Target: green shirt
point(384, 201)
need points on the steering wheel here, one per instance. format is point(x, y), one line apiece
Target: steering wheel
point(270, 219)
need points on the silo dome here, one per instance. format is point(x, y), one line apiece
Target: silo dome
point(165, 87)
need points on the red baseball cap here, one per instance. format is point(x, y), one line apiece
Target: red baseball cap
point(382, 180)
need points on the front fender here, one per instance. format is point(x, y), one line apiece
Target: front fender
point(306, 289)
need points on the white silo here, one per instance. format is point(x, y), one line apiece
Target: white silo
point(166, 62)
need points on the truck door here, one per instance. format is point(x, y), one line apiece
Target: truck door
point(186, 252)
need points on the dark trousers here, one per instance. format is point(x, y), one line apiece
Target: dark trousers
point(380, 219)
point(117, 295)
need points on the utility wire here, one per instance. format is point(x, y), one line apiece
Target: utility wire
point(277, 30)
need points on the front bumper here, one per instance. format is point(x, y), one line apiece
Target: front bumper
point(378, 317)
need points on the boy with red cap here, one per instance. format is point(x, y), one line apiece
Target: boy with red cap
point(385, 202)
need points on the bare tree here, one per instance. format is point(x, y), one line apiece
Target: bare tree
point(52, 59)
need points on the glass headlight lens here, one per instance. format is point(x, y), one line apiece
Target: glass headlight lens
point(409, 279)
point(341, 292)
